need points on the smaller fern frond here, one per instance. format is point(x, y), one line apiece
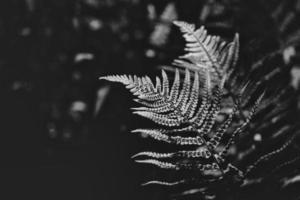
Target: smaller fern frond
point(215, 140)
point(205, 51)
point(241, 128)
point(285, 164)
point(269, 155)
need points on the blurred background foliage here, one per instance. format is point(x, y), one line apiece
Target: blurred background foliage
point(65, 135)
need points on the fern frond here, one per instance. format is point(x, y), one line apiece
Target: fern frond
point(160, 164)
point(207, 51)
point(153, 154)
point(155, 134)
point(192, 119)
point(188, 107)
point(191, 105)
point(177, 107)
point(178, 140)
point(162, 119)
point(199, 153)
point(203, 110)
point(214, 110)
point(285, 164)
point(170, 107)
point(241, 128)
point(215, 140)
point(269, 155)
point(181, 165)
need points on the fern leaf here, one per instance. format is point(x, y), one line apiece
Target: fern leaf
point(285, 164)
point(269, 155)
point(161, 109)
point(163, 165)
point(215, 140)
point(190, 107)
point(185, 92)
point(198, 166)
point(187, 140)
point(199, 153)
point(214, 109)
point(165, 89)
point(161, 119)
point(199, 117)
point(153, 154)
point(175, 87)
point(241, 128)
point(155, 134)
point(235, 50)
point(207, 51)
point(178, 140)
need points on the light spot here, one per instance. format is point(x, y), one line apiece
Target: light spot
point(83, 56)
point(76, 75)
point(75, 22)
point(150, 53)
point(151, 11)
point(77, 109)
point(52, 130)
point(78, 106)
point(295, 73)
point(25, 31)
point(257, 137)
point(101, 96)
point(95, 24)
point(67, 134)
point(288, 53)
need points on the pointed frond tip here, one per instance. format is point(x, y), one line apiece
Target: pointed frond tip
point(117, 78)
point(207, 51)
point(153, 154)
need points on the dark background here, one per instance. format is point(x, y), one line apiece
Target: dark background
point(65, 134)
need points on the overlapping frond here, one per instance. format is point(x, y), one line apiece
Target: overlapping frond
point(270, 155)
point(206, 51)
